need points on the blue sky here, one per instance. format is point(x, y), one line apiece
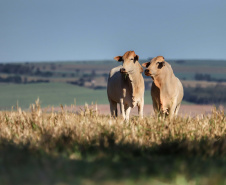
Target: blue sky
point(62, 30)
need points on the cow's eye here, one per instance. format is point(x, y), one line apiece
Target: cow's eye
point(131, 59)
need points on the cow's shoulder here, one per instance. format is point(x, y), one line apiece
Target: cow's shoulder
point(115, 70)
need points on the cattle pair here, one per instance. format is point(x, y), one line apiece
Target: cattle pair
point(126, 86)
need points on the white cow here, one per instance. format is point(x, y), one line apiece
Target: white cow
point(126, 85)
point(167, 90)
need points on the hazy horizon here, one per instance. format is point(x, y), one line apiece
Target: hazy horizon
point(84, 30)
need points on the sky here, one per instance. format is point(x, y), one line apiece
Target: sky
point(75, 30)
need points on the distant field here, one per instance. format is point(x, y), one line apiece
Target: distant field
point(52, 94)
point(64, 70)
point(58, 91)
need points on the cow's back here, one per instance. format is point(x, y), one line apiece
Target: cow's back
point(180, 91)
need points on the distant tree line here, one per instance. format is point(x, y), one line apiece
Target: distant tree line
point(18, 80)
point(207, 77)
point(11, 79)
point(209, 95)
point(38, 72)
point(23, 69)
point(16, 69)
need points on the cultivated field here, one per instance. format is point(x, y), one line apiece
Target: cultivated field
point(87, 148)
point(50, 94)
point(53, 94)
point(59, 83)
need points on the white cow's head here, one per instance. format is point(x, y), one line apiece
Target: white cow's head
point(154, 67)
point(130, 63)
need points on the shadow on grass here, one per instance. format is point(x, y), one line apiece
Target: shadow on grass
point(73, 163)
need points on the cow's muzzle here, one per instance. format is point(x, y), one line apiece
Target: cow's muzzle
point(147, 72)
point(123, 70)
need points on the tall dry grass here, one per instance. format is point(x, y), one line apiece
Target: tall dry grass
point(47, 131)
point(84, 147)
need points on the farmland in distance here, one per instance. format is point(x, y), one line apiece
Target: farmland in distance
point(39, 145)
point(59, 83)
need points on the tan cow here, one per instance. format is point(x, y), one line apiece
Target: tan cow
point(126, 85)
point(167, 90)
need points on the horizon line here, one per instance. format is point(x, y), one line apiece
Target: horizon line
point(101, 60)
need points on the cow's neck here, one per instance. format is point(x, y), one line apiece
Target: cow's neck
point(158, 81)
point(161, 80)
point(137, 79)
point(136, 83)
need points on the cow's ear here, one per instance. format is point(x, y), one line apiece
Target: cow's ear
point(136, 58)
point(146, 64)
point(118, 58)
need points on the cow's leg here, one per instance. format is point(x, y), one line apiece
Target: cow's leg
point(155, 107)
point(172, 111)
point(141, 108)
point(164, 110)
point(177, 110)
point(127, 110)
point(113, 108)
point(122, 109)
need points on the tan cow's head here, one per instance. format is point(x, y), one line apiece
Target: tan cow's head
point(154, 67)
point(130, 62)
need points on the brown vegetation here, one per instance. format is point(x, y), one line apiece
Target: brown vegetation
point(42, 130)
point(88, 148)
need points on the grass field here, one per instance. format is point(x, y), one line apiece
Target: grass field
point(52, 94)
point(87, 148)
